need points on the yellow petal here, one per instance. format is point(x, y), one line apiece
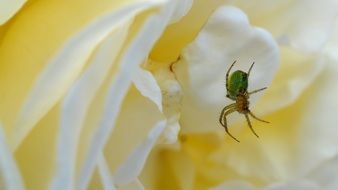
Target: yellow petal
point(132, 58)
point(10, 177)
point(8, 8)
point(77, 101)
point(32, 38)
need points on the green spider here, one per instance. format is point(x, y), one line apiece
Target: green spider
point(237, 90)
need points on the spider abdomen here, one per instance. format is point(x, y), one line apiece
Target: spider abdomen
point(238, 84)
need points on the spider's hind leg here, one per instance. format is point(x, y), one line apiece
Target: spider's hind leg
point(250, 126)
point(224, 122)
point(252, 115)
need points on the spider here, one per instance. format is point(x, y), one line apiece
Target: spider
point(237, 90)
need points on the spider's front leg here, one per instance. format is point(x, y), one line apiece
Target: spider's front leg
point(224, 110)
point(258, 90)
point(231, 108)
point(227, 76)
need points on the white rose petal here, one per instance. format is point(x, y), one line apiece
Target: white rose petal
point(76, 103)
point(105, 174)
point(50, 87)
point(307, 24)
point(302, 37)
point(8, 8)
point(181, 10)
point(147, 85)
point(226, 37)
point(170, 133)
point(171, 97)
point(137, 118)
point(8, 168)
point(137, 52)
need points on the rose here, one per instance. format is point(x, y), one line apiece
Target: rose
point(23, 124)
point(116, 33)
point(299, 150)
point(171, 107)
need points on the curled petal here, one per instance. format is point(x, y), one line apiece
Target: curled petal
point(50, 87)
point(147, 85)
point(227, 36)
point(290, 22)
point(105, 174)
point(8, 8)
point(8, 168)
point(134, 56)
point(77, 102)
point(181, 10)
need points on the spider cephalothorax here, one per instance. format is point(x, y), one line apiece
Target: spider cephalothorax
point(237, 90)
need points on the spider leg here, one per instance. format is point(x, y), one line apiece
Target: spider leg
point(258, 90)
point(225, 109)
point(227, 75)
point(249, 123)
point(250, 69)
point(252, 115)
point(229, 111)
